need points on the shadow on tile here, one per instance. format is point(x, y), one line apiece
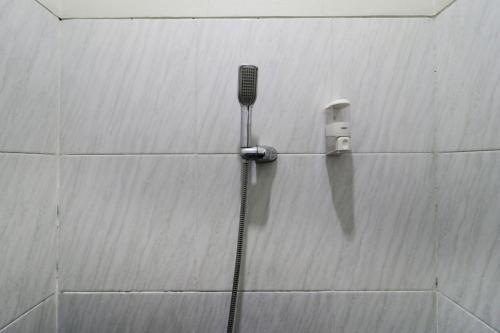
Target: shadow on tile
point(260, 191)
point(341, 173)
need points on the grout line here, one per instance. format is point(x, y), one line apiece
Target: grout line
point(435, 188)
point(58, 180)
point(237, 154)
point(25, 153)
point(439, 12)
point(24, 314)
point(469, 151)
point(48, 9)
point(467, 311)
point(247, 291)
point(430, 16)
point(436, 304)
point(145, 154)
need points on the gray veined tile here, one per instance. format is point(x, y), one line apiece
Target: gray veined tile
point(468, 71)
point(359, 222)
point(469, 242)
point(169, 223)
point(29, 74)
point(453, 319)
point(40, 319)
point(385, 67)
point(293, 57)
point(27, 232)
point(128, 86)
point(127, 223)
point(260, 312)
point(146, 223)
point(316, 223)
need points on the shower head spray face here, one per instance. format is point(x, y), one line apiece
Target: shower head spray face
point(247, 85)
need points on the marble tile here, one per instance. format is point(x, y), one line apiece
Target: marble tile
point(469, 243)
point(169, 223)
point(349, 223)
point(41, 319)
point(260, 312)
point(128, 86)
point(468, 71)
point(300, 72)
point(293, 57)
point(128, 223)
point(385, 67)
point(453, 319)
point(29, 93)
point(27, 232)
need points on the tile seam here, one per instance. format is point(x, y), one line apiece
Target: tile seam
point(467, 311)
point(25, 313)
point(429, 291)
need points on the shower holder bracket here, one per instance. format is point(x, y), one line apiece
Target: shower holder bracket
point(259, 154)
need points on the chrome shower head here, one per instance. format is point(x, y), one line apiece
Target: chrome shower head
point(247, 94)
point(247, 85)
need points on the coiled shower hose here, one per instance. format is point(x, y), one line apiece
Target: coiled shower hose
point(239, 246)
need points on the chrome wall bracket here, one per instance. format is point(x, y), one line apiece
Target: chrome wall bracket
point(259, 154)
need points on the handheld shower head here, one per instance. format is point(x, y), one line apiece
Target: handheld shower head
point(247, 94)
point(247, 84)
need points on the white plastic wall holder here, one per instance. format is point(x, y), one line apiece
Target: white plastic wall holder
point(338, 104)
point(337, 127)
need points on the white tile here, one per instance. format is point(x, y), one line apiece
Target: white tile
point(41, 319)
point(453, 319)
point(131, 8)
point(360, 223)
point(293, 57)
point(128, 86)
point(314, 224)
point(27, 232)
point(385, 67)
point(128, 223)
point(260, 312)
point(469, 244)
point(468, 72)
point(232, 8)
point(300, 72)
point(378, 8)
point(29, 60)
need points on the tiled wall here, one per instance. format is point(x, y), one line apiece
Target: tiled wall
point(149, 173)
point(149, 193)
point(468, 138)
point(28, 166)
point(261, 312)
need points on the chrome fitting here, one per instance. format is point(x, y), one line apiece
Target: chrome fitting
point(259, 154)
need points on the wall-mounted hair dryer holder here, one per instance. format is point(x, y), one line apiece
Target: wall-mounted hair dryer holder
point(338, 127)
